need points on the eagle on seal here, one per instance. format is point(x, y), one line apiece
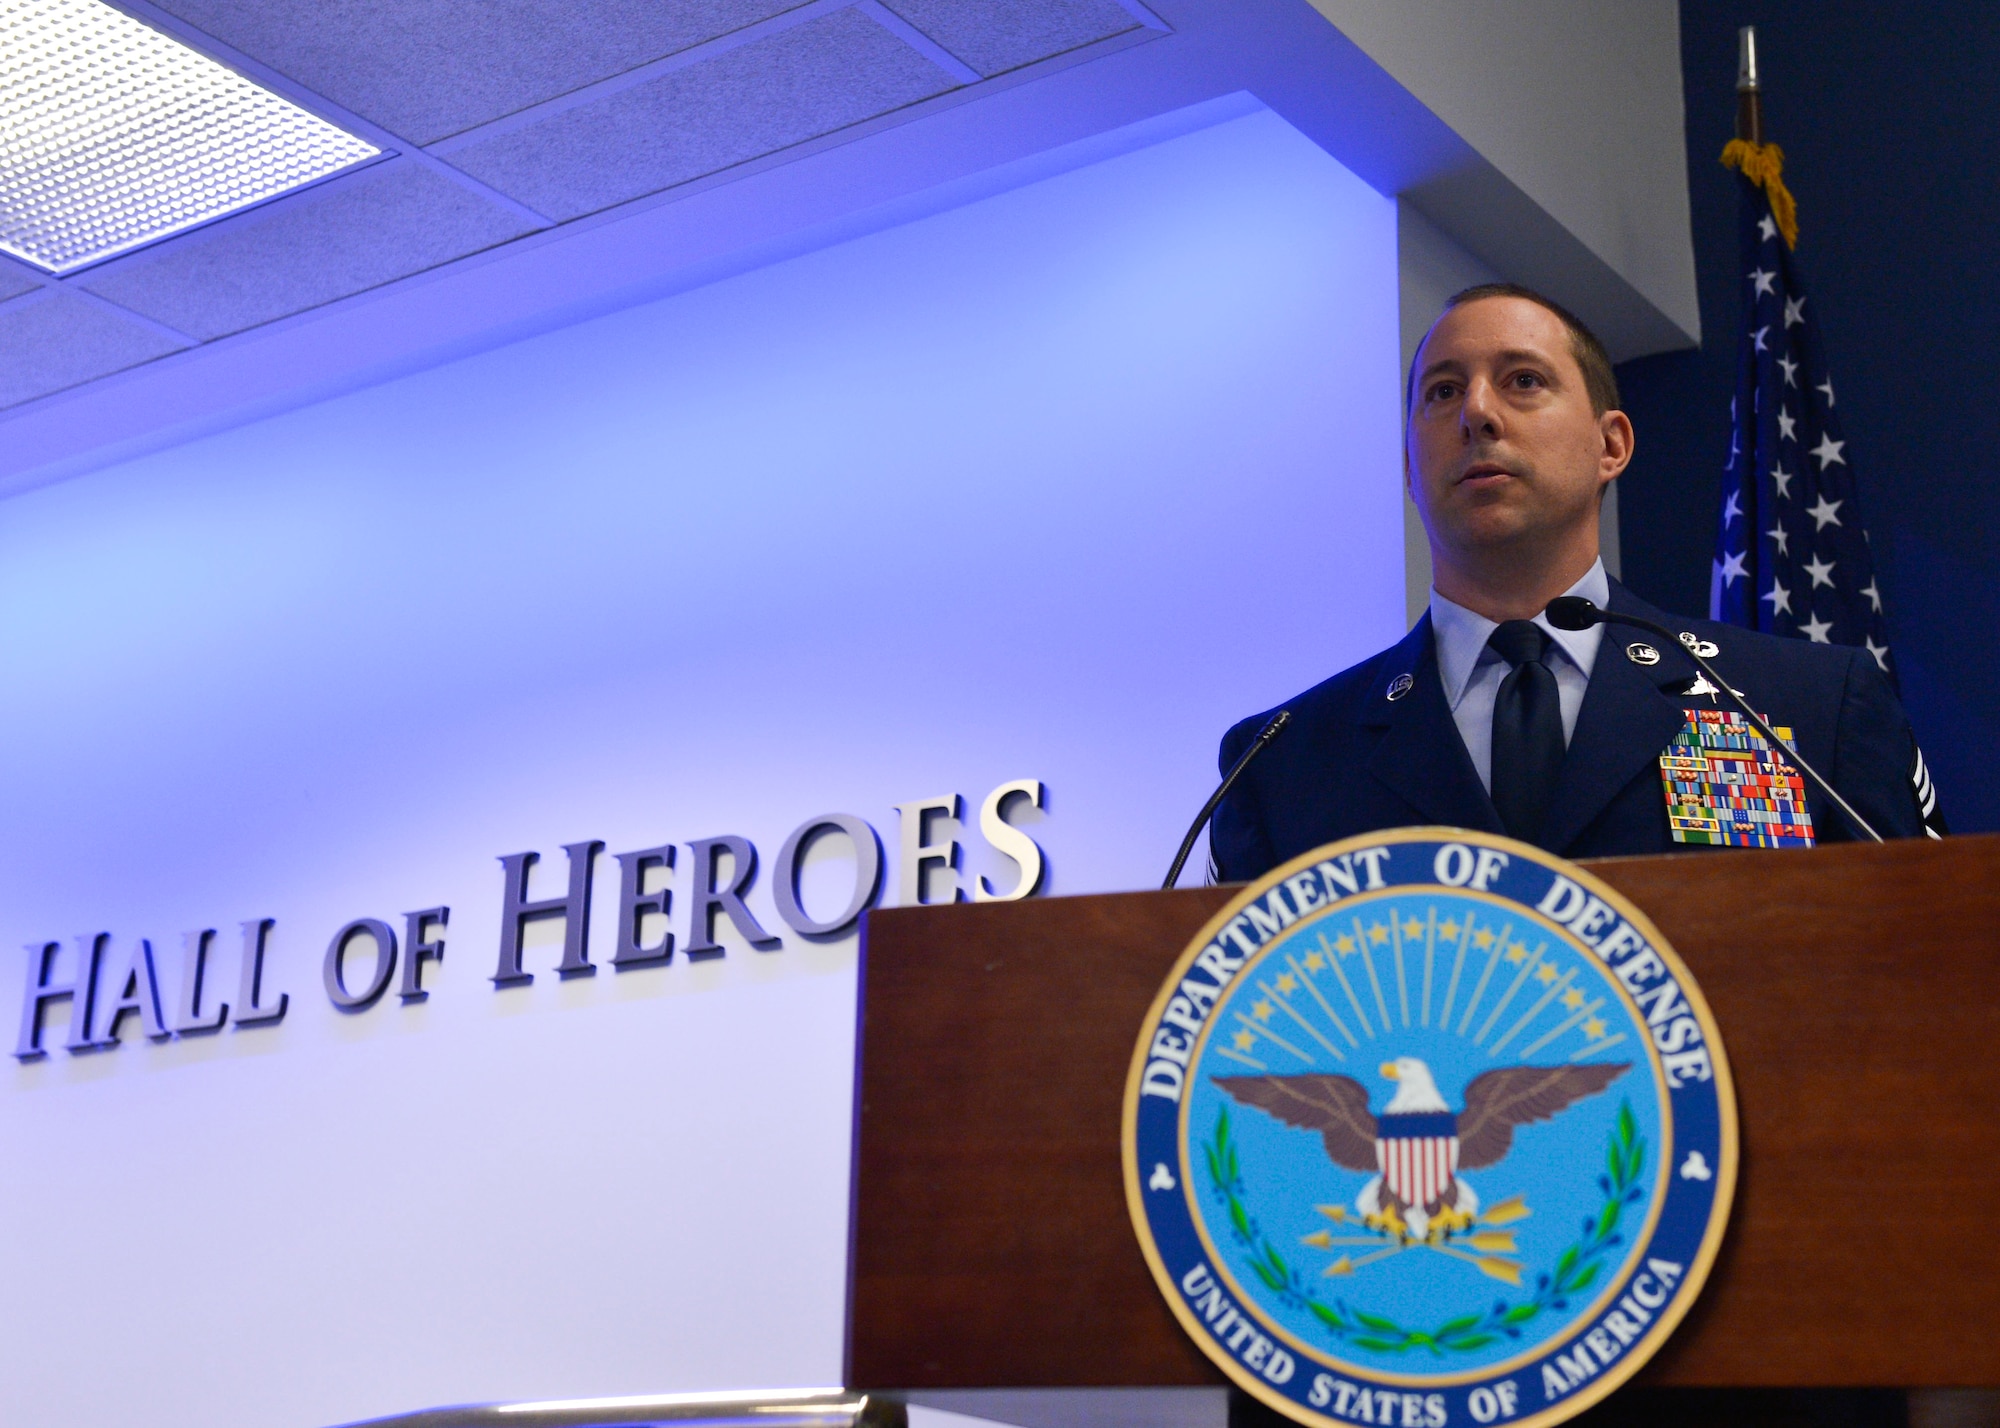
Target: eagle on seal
point(1418, 1145)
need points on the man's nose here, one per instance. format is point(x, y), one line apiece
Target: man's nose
point(1479, 414)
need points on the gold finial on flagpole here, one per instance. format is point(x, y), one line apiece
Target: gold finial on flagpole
point(1763, 164)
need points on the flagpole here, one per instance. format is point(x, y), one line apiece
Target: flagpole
point(1749, 101)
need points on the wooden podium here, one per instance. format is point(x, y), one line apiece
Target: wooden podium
point(1858, 992)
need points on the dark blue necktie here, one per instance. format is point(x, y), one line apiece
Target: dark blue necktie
point(1527, 729)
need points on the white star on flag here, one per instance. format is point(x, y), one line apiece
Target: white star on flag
point(1781, 409)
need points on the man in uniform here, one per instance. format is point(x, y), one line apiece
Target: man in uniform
point(1485, 715)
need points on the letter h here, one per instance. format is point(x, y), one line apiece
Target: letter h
point(573, 908)
point(80, 992)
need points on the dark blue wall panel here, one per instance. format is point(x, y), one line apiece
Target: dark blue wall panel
point(1885, 117)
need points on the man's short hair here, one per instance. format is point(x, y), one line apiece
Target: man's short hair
point(1598, 379)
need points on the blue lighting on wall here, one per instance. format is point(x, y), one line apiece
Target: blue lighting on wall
point(1054, 485)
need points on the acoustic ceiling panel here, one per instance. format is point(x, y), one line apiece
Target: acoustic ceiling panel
point(755, 99)
point(997, 35)
point(393, 220)
point(571, 106)
point(49, 343)
point(426, 69)
point(113, 135)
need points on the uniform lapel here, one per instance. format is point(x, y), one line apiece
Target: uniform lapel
point(1627, 718)
point(1421, 757)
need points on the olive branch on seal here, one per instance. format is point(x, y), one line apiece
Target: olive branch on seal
point(1576, 1268)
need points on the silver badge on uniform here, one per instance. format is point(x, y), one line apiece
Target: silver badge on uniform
point(1642, 654)
point(1707, 649)
point(1399, 686)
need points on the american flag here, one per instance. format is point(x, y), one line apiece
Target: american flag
point(1791, 556)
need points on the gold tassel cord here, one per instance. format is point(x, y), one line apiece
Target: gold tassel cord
point(1764, 165)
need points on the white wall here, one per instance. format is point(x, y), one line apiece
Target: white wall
point(1578, 103)
point(1054, 485)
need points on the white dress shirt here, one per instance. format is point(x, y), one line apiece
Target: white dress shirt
point(1471, 672)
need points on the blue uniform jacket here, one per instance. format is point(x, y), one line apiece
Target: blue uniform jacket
point(1354, 760)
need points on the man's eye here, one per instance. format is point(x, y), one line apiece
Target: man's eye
point(1444, 391)
point(1527, 380)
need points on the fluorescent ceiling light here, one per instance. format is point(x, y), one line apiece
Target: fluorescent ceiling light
point(113, 135)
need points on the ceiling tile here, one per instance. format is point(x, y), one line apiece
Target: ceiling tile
point(423, 69)
point(49, 343)
point(388, 222)
point(755, 99)
point(997, 35)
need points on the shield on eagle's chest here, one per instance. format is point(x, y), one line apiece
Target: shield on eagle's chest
point(1418, 1155)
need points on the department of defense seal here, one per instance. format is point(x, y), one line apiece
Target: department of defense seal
point(1428, 1128)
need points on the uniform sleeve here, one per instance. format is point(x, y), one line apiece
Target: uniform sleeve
point(1239, 847)
point(1876, 765)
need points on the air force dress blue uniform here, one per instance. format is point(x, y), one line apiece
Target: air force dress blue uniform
point(1378, 746)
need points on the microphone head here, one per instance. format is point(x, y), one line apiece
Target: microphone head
point(1270, 730)
point(1573, 612)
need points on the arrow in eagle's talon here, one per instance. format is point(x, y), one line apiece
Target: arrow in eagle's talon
point(1379, 1254)
point(1506, 1212)
point(1320, 1239)
point(1491, 1265)
point(1345, 1265)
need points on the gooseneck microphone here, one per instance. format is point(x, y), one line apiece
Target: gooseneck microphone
point(1264, 737)
point(1573, 612)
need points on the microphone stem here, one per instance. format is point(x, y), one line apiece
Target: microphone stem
point(1264, 736)
point(1860, 824)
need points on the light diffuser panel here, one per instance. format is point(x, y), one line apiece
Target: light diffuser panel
point(113, 135)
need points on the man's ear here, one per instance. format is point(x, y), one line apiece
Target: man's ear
point(1616, 430)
